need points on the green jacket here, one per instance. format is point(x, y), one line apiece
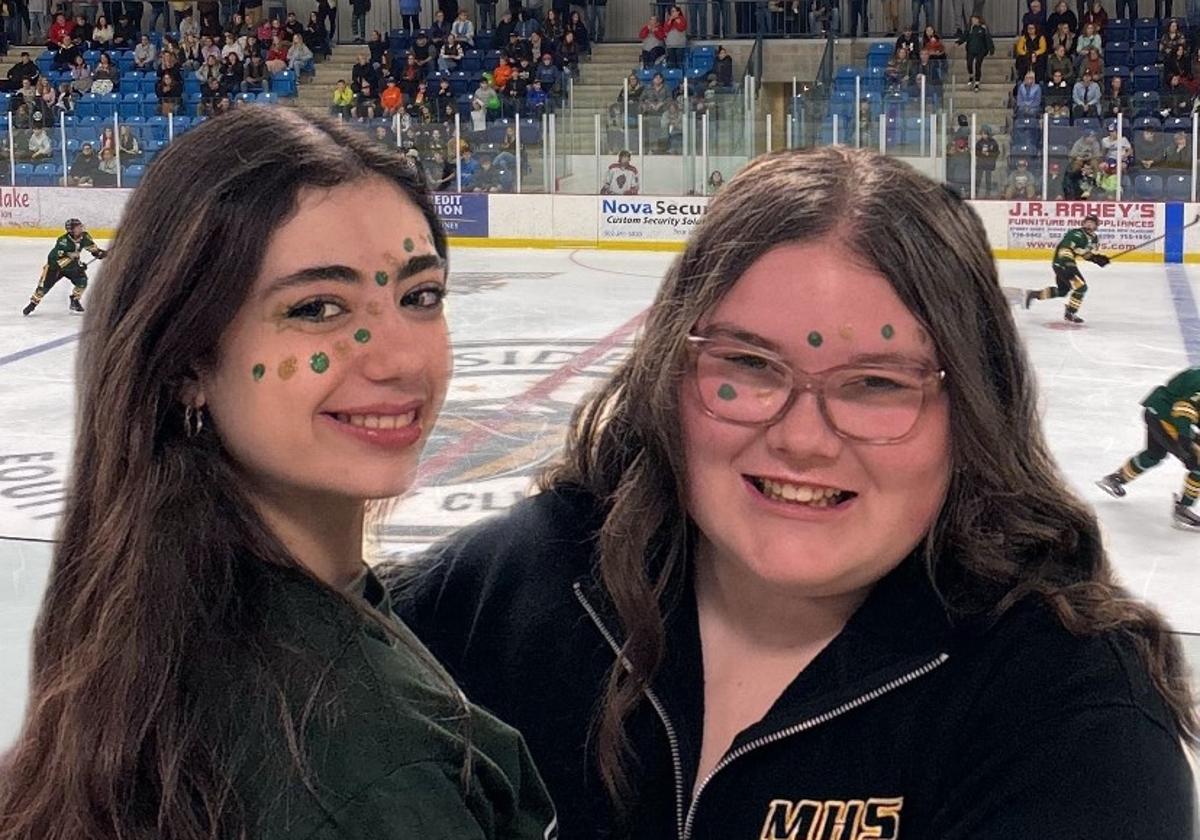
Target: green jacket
point(383, 743)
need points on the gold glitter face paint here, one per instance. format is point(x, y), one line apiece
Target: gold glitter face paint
point(373, 308)
point(846, 332)
point(287, 368)
point(341, 348)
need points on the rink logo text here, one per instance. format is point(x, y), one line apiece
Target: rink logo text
point(32, 482)
point(833, 819)
point(12, 198)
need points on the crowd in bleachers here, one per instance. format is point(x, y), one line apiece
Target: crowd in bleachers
point(1076, 77)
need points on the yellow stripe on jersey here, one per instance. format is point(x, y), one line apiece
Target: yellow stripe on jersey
point(1184, 409)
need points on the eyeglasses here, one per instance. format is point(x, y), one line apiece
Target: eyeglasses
point(869, 403)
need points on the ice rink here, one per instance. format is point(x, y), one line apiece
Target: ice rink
point(534, 329)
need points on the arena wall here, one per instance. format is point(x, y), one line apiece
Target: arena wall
point(1016, 230)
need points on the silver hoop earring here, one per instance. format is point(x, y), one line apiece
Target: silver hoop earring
point(193, 421)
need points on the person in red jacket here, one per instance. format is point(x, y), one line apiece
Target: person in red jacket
point(62, 27)
point(652, 36)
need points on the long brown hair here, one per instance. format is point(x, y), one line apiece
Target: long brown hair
point(1009, 527)
point(162, 563)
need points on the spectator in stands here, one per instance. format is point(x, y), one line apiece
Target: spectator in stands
point(1172, 38)
point(1028, 98)
point(1020, 181)
point(145, 55)
point(1056, 96)
point(621, 178)
point(210, 92)
point(1036, 15)
point(1176, 100)
point(209, 47)
point(552, 28)
point(577, 27)
point(170, 95)
point(363, 70)
point(535, 45)
point(24, 69)
point(1092, 64)
point(131, 149)
point(1079, 180)
point(979, 44)
point(125, 34)
point(1116, 100)
point(598, 18)
point(84, 167)
point(438, 30)
point(443, 96)
point(463, 29)
point(1096, 16)
point(254, 75)
point(190, 57)
point(1064, 37)
point(66, 54)
point(932, 43)
point(487, 14)
point(1030, 50)
point(210, 69)
point(1086, 148)
point(568, 55)
point(451, 54)
point(106, 169)
point(486, 178)
point(316, 36)
point(1177, 63)
point(102, 33)
point(62, 26)
point(547, 73)
point(1115, 147)
point(1062, 14)
point(419, 106)
point(1062, 64)
point(343, 100)
point(715, 181)
point(232, 75)
point(487, 100)
point(277, 55)
point(358, 19)
point(656, 97)
point(987, 153)
point(651, 36)
point(536, 99)
point(410, 11)
point(931, 72)
point(391, 98)
point(425, 53)
point(909, 40)
point(468, 164)
point(895, 75)
point(410, 75)
point(502, 75)
point(1149, 148)
point(46, 99)
point(299, 56)
point(1177, 155)
point(38, 147)
point(526, 23)
point(958, 165)
point(366, 104)
point(1090, 40)
point(675, 38)
point(504, 30)
point(81, 75)
point(37, 20)
point(169, 67)
point(1085, 97)
point(1106, 181)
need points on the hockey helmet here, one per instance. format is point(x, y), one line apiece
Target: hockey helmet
point(71, 224)
point(1092, 217)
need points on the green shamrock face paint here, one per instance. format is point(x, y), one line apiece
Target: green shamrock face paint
point(258, 372)
point(408, 245)
point(727, 392)
point(887, 332)
point(319, 362)
point(381, 277)
point(815, 339)
point(362, 336)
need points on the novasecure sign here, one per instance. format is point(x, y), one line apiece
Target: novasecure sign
point(646, 219)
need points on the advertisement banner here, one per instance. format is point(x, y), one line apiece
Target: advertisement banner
point(19, 207)
point(635, 217)
point(1041, 224)
point(463, 215)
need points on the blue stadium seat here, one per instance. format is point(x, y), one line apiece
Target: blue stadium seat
point(1144, 52)
point(1117, 52)
point(1174, 124)
point(1122, 70)
point(131, 106)
point(1118, 29)
point(1088, 124)
point(149, 106)
point(1146, 29)
point(530, 131)
point(132, 175)
point(1146, 78)
point(85, 106)
point(24, 173)
point(268, 98)
point(1145, 103)
point(1148, 187)
point(44, 175)
point(1140, 123)
point(483, 40)
point(1177, 188)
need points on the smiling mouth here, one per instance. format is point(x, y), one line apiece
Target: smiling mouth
point(806, 495)
point(377, 421)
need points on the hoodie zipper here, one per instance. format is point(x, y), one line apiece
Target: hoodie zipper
point(804, 725)
point(684, 825)
point(672, 740)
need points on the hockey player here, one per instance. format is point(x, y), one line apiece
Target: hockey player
point(1078, 243)
point(621, 177)
point(64, 261)
point(1172, 413)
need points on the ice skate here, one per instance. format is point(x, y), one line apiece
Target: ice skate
point(1184, 518)
point(1112, 484)
point(1071, 318)
point(76, 306)
point(1030, 297)
point(29, 307)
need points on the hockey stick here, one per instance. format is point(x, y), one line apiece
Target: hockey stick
point(1141, 245)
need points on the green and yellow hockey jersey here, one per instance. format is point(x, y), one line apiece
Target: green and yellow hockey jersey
point(66, 250)
point(1177, 404)
point(1076, 244)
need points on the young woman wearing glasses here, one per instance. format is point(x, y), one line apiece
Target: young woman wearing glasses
point(806, 568)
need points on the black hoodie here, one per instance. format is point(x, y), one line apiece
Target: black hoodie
point(906, 725)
